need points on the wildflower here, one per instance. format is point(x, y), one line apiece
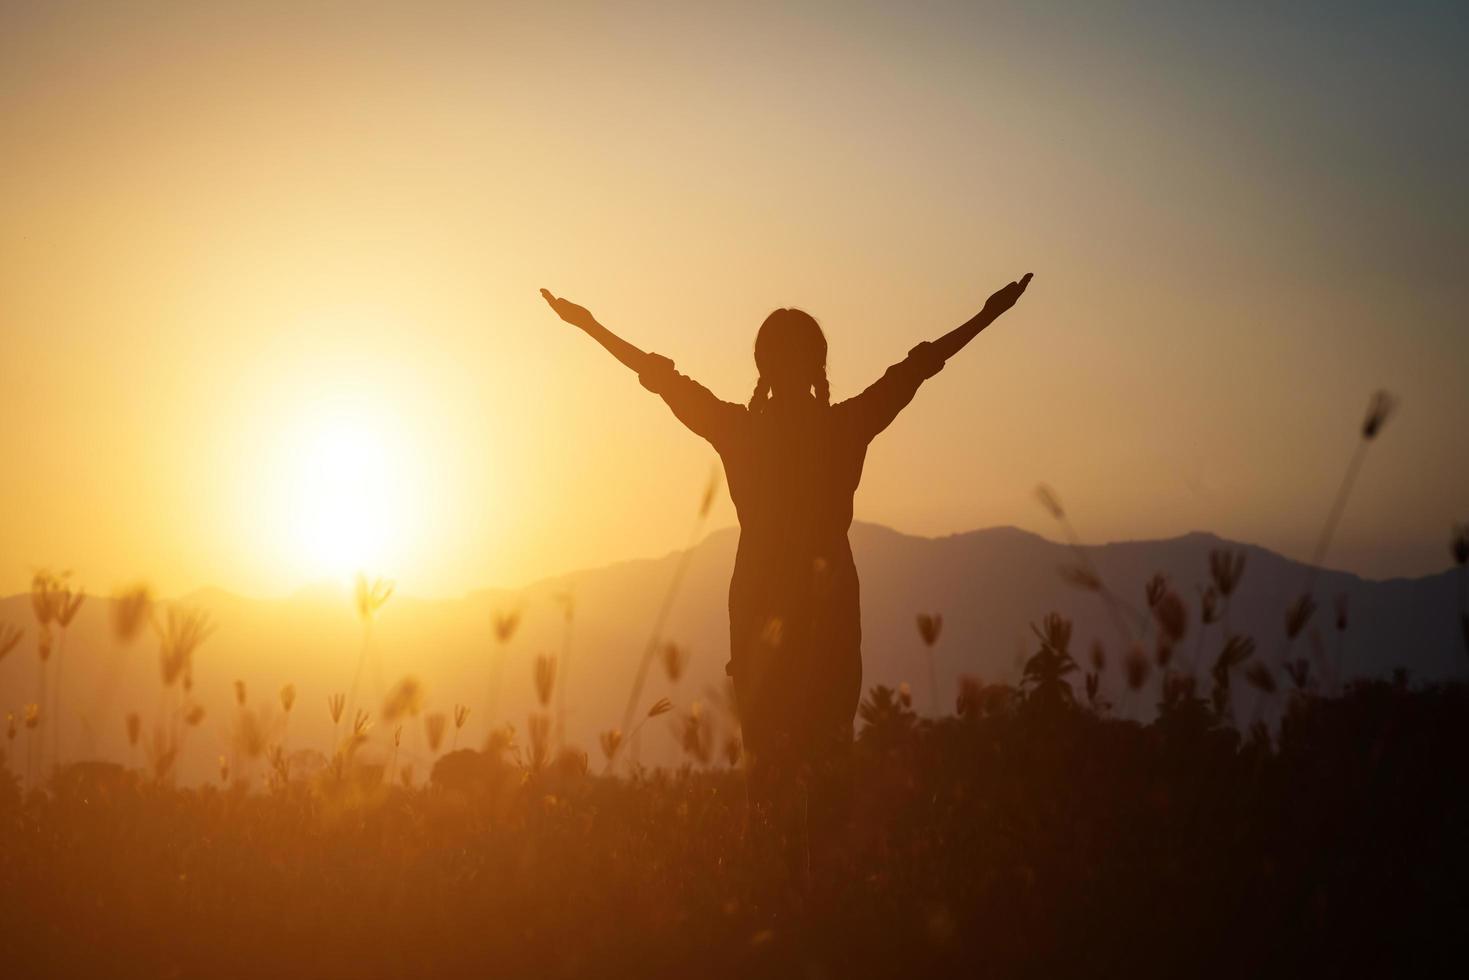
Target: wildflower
point(1379, 408)
point(461, 715)
point(1299, 614)
point(288, 697)
point(361, 724)
point(1226, 567)
point(194, 715)
point(660, 707)
point(334, 704)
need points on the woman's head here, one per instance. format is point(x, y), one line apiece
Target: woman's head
point(790, 353)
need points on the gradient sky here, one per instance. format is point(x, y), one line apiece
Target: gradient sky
point(241, 244)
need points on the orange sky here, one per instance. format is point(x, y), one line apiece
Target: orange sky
point(270, 275)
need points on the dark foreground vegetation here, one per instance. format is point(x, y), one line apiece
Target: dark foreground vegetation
point(1022, 836)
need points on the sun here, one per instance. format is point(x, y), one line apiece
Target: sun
point(344, 497)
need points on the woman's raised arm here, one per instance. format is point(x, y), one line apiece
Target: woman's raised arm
point(952, 342)
point(580, 316)
point(693, 404)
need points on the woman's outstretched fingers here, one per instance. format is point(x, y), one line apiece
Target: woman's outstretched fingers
point(1024, 281)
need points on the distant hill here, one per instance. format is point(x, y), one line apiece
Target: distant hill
point(988, 584)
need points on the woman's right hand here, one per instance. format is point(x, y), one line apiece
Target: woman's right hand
point(577, 316)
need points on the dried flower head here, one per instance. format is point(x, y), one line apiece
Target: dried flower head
point(1172, 615)
point(1049, 501)
point(1208, 605)
point(506, 623)
point(361, 724)
point(130, 608)
point(611, 741)
point(10, 726)
point(406, 698)
point(371, 595)
point(181, 634)
point(674, 659)
point(1299, 614)
point(240, 693)
point(288, 698)
point(660, 707)
point(1155, 588)
point(710, 489)
point(10, 636)
point(135, 728)
point(1080, 577)
point(194, 715)
point(1237, 649)
point(32, 715)
point(930, 625)
point(334, 705)
point(1055, 632)
point(1260, 677)
point(1299, 670)
point(1226, 567)
point(1382, 405)
point(461, 715)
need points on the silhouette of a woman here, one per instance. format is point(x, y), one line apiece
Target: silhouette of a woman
point(792, 462)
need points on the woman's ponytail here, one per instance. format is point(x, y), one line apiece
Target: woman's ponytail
point(760, 397)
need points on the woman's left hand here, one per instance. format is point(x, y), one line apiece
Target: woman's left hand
point(1006, 296)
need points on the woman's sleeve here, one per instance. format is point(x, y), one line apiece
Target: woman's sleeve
point(693, 404)
point(876, 407)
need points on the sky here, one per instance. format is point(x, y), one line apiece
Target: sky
point(269, 273)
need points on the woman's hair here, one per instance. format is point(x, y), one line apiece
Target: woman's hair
point(790, 344)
